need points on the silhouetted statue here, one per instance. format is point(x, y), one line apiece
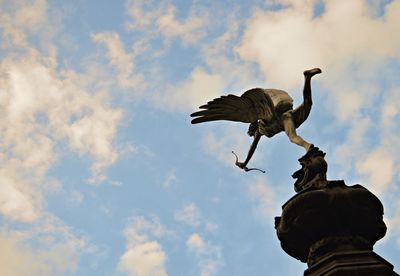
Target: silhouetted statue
point(269, 111)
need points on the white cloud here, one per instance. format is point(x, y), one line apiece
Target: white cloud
point(190, 215)
point(293, 36)
point(211, 227)
point(163, 20)
point(18, 260)
point(354, 145)
point(22, 18)
point(18, 201)
point(288, 41)
point(40, 109)
point(44, 111)
point(144, 259)
point(121, 60)
point(190, 30)
point(195, 242)
point(390, 109)
point(143, 256)
point(199, 88)
point(209, 255)
point(56, 249)
point(170, 179)
point(220, 72)
point(378, 167)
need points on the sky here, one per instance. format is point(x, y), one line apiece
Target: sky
point(103, 174)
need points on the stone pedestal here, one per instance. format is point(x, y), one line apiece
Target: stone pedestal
point(351, 263)
point(331, 226)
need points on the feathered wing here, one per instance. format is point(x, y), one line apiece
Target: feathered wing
point(253, 105)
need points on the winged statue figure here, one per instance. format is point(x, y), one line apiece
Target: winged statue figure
point(268, 111)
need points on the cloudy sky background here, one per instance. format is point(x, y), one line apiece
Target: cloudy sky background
point(103, 174)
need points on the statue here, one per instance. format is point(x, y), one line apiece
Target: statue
point(327, 224)
point(269, 111)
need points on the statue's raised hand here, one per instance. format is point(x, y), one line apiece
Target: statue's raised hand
point(240, 165)
point(243, 165)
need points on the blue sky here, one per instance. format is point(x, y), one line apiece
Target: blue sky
point(102, 172)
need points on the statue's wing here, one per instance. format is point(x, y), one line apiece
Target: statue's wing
point(253, 105)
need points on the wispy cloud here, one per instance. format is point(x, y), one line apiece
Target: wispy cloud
point(170, 179)
point(219, 71)
point(189, 214)
point(192, 92)
point(161, 19)
point(207, 254)
point(378, 167)
point(393, 222)
point(121, 60)
point(266, 205)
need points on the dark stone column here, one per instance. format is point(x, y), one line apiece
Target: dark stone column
point(331, 226)
point(351, 263)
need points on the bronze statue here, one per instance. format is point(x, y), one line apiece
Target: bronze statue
point(269, 111)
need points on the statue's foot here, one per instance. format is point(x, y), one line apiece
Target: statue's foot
point(312, 72)
point(311, 152)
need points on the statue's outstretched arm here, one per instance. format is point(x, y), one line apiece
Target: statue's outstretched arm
point(252, 149)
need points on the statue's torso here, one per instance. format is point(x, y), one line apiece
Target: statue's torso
point(281, 100)
point(282, 103)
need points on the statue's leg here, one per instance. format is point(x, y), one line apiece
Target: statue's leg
point(290, 131)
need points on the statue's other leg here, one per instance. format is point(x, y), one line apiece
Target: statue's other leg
point(290, 130)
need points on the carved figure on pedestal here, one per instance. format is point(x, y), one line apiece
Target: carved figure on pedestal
point(269, 112)
point(331, 226)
